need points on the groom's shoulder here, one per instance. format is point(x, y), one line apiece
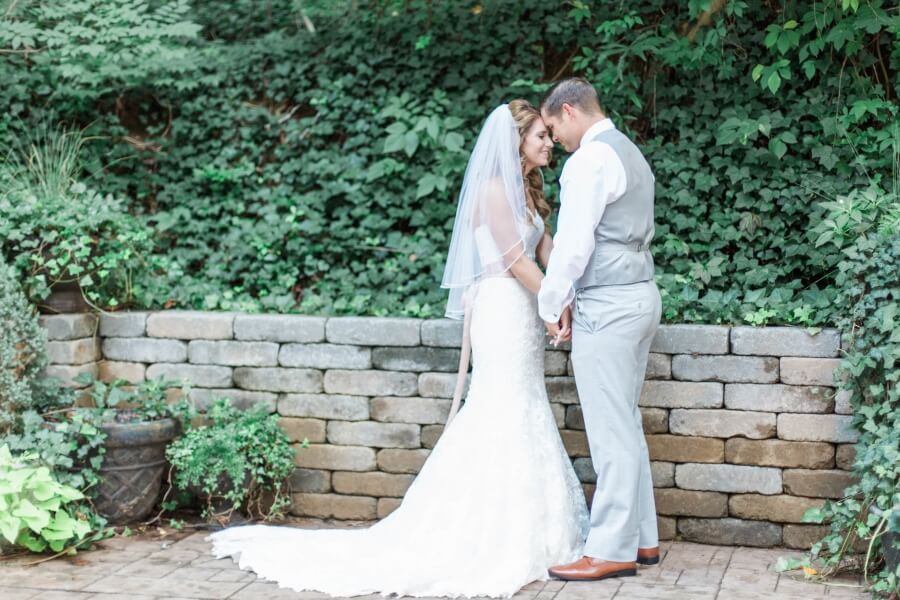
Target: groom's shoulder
point(588, 156)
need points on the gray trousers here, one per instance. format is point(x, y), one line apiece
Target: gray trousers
point(613, 327)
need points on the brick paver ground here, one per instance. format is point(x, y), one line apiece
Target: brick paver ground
point(180, 566)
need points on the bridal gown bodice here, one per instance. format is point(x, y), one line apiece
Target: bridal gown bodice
point(496, 503)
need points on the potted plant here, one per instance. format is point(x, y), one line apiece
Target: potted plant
point(239, 459)
point(71, 246)
point(137, 424)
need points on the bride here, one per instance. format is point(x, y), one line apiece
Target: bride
point(497, 502)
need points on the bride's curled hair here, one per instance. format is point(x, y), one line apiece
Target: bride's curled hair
point(524, 115)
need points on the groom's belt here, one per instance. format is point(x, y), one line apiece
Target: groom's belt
point(610, 246)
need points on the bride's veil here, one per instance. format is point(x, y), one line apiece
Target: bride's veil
point(488, 232)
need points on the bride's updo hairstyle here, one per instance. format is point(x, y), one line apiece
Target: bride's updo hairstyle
point(524, 115)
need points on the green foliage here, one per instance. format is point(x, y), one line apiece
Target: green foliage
point(23, 354)
point(864, 227)
point(54, 229)
point(241, 458)
point(37, 512)
point(145, 401)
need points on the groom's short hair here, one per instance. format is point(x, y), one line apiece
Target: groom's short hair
point(575, 91)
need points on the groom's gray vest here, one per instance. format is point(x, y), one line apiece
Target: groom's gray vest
point(622, 250)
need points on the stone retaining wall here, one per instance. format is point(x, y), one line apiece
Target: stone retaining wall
point(743, 424)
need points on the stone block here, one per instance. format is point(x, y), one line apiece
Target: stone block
point(232, 353)
point(373, 331)
point(689, 503)
point(67, 373)
point(722, 423)
point(206, 376)
point(727, 369)
point(559, 414)
point(845, 456)
point(240, 399)
point(659, 366)
point(336, 458)
point(416, 359)
point(691, 339)
point(842, 404)
point(728, 478)
point(575, 442)
point(446, 333)
point(276, 379)
point(666, 528)
point(779, 453)
point(730, 532)
point(371, 383)
point(784, 341)
point(334, 506)
point(779, 398)
point(69, 327)
point(817, 483)
point(279, 328)
point(424, 411)
point(129, 371)
point(662, 474)
point(73, 352)
point(802, 537)
point(325, 356)
point(780, 509)
point(440, 385)
point(655, 420)
point(144, 350)
point(190, 325)
point(555, 362)
point(324, 406)
point(387, 505)
point(410, 462)
point(584, 469)
point(681, 394)
point(677, 448)
point(378, 435)
point(809, 371)
point(312, 430)
point(562, 390)
point(817, 428)
point(371, 484)
point(123, 324)
point(431, 434)
point(310, 481)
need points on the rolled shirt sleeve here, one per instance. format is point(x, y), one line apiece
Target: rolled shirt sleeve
point(592, 178)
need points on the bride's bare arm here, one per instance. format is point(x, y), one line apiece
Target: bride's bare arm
point(545, 247)
point(528, 273)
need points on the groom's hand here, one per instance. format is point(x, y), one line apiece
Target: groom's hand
point(565, 325)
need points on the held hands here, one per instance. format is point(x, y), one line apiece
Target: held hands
point(560, 331)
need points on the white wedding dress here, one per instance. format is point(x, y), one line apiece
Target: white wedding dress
point(496, 503)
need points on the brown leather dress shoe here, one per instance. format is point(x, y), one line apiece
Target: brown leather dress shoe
point(648, 556)
point(593, 569)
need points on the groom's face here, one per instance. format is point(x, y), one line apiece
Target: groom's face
point(562, 128)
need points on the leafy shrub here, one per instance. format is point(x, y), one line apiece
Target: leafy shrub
point(37, 512)
point(23, 354)
point(241, 458)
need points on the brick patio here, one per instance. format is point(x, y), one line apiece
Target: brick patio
point(179, 566)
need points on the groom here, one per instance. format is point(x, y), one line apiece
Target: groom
point(601, 265)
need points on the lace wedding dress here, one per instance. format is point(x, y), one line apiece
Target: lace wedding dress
point(496, 503)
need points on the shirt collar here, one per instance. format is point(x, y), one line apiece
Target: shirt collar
point(595, 129)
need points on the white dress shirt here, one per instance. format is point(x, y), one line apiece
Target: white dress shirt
point(592, 178)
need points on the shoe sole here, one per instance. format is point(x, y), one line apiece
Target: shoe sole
point(622, 573)
point(649, 561)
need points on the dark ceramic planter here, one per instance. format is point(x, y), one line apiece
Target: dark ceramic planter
point(133, 468)
point(64, 298)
